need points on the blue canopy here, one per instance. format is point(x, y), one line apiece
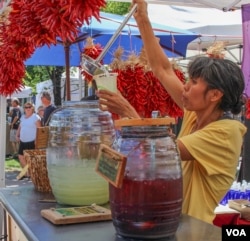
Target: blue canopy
point(173, 40)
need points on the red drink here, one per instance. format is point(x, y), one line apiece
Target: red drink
point(147, 209)
point(148, 206)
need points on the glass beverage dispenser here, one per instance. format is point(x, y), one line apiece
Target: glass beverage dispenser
point(148, 205)
point(76, 132)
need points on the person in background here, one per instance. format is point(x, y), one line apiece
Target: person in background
point(209, 141)
point(40, 112)
point(26, 133)
point(48, 107)
point(8, 105)
point(15, 114)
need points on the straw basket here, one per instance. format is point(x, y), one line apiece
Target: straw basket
point(36, 159)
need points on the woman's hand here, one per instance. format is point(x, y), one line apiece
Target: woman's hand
point(141, 9)
point(116, 103)
point(157, 59)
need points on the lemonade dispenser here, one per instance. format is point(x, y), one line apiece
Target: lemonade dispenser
point(76, 132)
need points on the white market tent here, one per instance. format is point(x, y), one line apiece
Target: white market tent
point(225, 27)
point(224, 5)
point(214, 20)
point(25, 92)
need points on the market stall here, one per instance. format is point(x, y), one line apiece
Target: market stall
point(23, 206)
point(25, 223)
point(13, 56)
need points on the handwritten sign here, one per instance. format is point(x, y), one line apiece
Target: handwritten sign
point(111, 165)
point(76, 214)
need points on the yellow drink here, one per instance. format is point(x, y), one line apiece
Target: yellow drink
point(75, 134)
point(77, 184)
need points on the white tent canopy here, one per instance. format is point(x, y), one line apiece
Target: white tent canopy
point(212, 24)
point(25, 92)
point(224, 5)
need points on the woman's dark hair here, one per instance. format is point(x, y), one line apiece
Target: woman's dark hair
point(224, 75)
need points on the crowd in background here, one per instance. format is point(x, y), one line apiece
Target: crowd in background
point(23, 122)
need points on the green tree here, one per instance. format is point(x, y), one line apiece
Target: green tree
point(36, 74)
point(56, 76)
point(119, 8)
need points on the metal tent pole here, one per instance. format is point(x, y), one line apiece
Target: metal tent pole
point(2, 153)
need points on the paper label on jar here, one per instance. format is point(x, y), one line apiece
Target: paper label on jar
point(111, 165)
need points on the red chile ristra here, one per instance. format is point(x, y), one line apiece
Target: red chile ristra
point(145, 92)
point(32, 24)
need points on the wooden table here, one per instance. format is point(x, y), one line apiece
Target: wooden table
point(24, 222)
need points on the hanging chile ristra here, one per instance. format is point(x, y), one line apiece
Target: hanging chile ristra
point(137, 83)
point(93, 51)
point(31, 24)
point(145, 92)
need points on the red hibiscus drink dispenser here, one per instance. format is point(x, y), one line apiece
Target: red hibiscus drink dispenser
point(148, 204)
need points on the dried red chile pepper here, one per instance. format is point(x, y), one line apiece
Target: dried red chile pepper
point(145, 92)
point(34, 23)
point(93, 51)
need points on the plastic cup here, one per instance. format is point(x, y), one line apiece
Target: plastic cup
point(107, 81)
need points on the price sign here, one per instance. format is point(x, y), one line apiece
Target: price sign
point(111, 165)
